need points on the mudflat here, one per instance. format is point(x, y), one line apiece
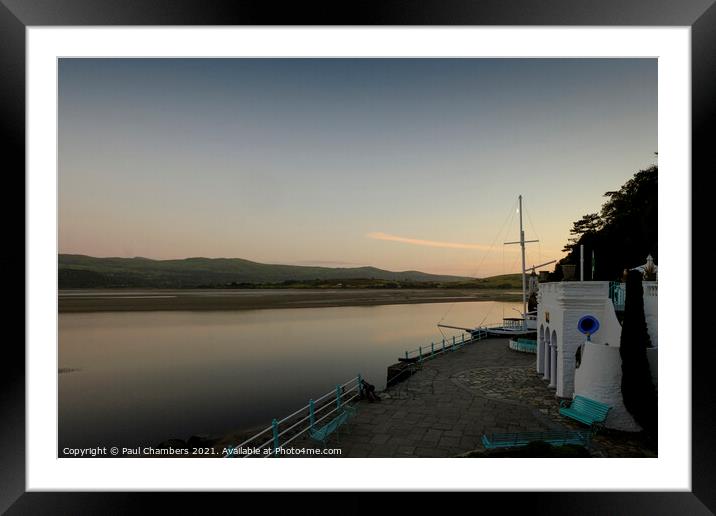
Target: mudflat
point(113, 300)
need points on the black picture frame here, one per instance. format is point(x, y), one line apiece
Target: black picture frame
point(17, 15)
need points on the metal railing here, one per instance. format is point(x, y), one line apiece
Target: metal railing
point(446, 345)
point(523, 345)
point(617, 293)
point(284, 431)
point(651, 289)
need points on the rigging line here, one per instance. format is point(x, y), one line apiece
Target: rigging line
point(505, 223)
point(492, 305)
point(441, 333)
point(524, 209)
point(539, 239)
point(503, 271)
point(514, 262)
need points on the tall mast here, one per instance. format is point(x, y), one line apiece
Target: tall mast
point(522, 243)
point(524, 277)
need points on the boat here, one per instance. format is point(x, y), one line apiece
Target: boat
point(524, 326)
point(511, 327)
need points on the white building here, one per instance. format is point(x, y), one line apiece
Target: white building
point(560, 307)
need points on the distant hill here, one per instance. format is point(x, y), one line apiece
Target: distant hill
point(507, 281)
point(79, 271)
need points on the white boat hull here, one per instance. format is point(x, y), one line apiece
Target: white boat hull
point(510, 332)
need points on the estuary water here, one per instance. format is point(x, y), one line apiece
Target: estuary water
point(138, 378)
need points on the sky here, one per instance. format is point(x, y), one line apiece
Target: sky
point(402, 164)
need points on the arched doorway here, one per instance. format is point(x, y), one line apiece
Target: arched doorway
point(540, 350)
point(553, 360)
point(546, 365)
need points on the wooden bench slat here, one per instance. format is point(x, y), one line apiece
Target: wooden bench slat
point(322, 434)
point(556, 438)
point(586, 410)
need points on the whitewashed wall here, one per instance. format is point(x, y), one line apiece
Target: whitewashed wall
point(651, 310)
point(599, 377)
point(564, 303)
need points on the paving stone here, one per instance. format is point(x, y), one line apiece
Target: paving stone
point(380, 439)
point(382, 450)
point(432, 435)
point(444, 408)
point(446, 442)
point(400, 440)
point(405, 451)
point(431, 452)
point(468, 442)
point(442, 426)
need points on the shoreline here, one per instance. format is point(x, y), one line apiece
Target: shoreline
point(143, 300)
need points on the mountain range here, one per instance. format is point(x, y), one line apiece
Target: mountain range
point(80, 271)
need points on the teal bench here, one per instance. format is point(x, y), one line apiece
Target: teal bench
point(524, 345)
point(323, 433)
point(556, 438)
point(590, 412)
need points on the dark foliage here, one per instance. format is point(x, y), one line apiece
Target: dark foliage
point(622, 234)
point(536, 449)
point(638, 390)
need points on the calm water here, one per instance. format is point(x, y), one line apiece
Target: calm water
point(138, 378)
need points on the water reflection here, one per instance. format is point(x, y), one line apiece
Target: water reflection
point(137, 378)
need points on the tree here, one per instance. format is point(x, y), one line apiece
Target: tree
point(638, 391)
point(588, 224)
point(624, 232)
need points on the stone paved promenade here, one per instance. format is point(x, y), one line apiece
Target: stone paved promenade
point(443, 409)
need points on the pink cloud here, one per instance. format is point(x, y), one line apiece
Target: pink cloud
point(427, 243)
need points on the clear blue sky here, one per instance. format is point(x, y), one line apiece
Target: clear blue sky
point(398, 163)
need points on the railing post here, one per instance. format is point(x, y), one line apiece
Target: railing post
point(453, 342)
point(311, 413)
point(443, 344)
point(463, 339)
point(406, 355)
point(274, 424)
point(432, 348)
point(420, 353)
point(338, 396)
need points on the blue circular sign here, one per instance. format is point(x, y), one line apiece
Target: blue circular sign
point(588, 325)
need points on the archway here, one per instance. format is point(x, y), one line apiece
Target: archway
point(540, 350)
point(553, 360)
point(546, 365)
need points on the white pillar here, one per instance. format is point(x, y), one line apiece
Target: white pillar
point(540, 356)
point(553, 367)
point(546, 362)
